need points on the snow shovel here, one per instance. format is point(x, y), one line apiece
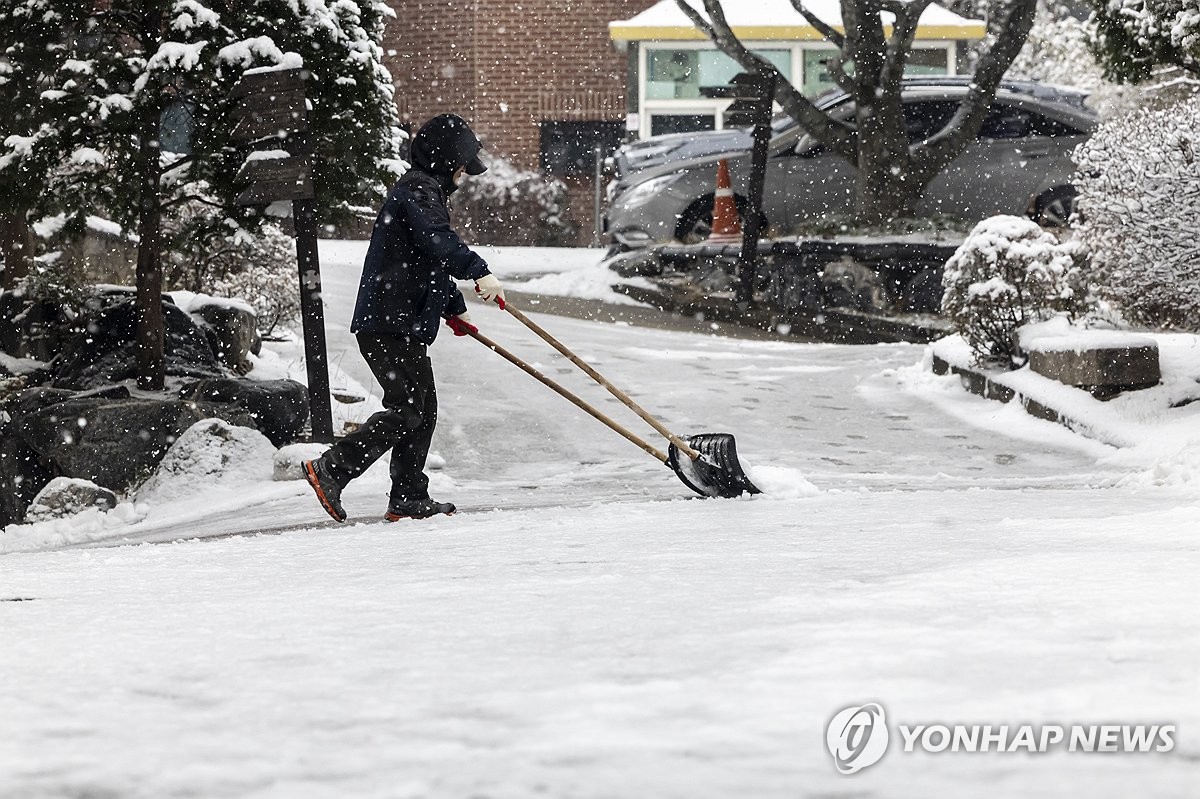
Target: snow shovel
point(707, 463)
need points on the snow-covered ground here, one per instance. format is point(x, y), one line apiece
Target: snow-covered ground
point(585, 628)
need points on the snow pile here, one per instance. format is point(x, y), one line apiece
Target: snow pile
point(19, 366)
point(779, 482)
point(1139, 208)
point(595, 282)
point(1007, 273)
point(192, 301)
point(1059, 335)
point(210, 454)
point(90, 525)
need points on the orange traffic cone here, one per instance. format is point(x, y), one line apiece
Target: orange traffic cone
point(726, 224)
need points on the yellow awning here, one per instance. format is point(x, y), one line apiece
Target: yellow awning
point(776, 20)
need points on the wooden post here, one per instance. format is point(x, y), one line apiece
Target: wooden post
point(762, 93)
point(312, 312)
point(272, 112)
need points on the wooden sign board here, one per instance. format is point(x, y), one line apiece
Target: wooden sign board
point(276, 179)
point(269, 114)
point(753, 103)
point(272, 81)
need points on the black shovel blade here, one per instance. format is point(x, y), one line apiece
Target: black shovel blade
point(717, 472)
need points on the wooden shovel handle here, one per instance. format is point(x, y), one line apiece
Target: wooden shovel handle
point(579, 403)
point(679, 443)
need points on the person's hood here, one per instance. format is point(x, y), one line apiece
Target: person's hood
point(445, 143)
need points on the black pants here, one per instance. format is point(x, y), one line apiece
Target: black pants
point(405, 425)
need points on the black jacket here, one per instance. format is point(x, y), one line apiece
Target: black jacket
point(407, 284)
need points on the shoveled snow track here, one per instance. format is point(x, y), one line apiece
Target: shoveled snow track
point(605, 635)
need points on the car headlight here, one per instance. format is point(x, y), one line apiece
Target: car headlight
point(644, 192)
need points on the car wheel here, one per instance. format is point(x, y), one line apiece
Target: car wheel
point(1053, 208)
point(695, 224)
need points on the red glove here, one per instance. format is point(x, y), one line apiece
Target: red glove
point(461, 325)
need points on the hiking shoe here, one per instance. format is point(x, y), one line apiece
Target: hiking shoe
point(417, 509)
point(329, 492)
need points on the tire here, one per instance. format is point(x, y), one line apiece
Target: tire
point(696, 222)
point(1053, 208)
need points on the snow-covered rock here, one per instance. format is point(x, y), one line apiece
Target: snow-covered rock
point(210, 453)
point(68, 496)
point(288, 460)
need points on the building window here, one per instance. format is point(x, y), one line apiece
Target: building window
point(569, 148)
point(661, 123)
point(686, 74)
point(921, 61)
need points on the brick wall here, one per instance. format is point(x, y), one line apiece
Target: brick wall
point(506, 66)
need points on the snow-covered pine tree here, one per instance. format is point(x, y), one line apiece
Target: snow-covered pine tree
point(1133, 37)
point(40, 82)
point(124, 63)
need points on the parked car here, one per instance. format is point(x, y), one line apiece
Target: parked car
point(1019, 164)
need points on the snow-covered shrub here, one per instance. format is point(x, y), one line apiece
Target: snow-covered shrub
point(262, 271)
point(225, 259)
point(1138, 213)
point(56, 280)
point(1009, 272)
point(511, 206)
point(1058, 50)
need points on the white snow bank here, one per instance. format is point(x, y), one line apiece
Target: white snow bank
point(90, 525)
point(593, 282)
point(1156, 430)
point(288, 460)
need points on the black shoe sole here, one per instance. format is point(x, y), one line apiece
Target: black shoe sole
point(391, 517)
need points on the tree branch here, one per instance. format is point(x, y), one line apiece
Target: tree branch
point(904, 31)
point(176, 164)
point(837, 136)
point(1008, 29)
point(865, 44)
point(183, 198)
point(831, 34)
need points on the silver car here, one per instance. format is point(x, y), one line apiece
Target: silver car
point(1019, 164)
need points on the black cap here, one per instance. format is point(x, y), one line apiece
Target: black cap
point(446, 143)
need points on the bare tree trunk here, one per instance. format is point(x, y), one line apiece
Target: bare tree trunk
point(150, 333)
point(885, 186)
point(16, 245)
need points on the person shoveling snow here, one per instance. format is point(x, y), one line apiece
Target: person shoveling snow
point(407, 287)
